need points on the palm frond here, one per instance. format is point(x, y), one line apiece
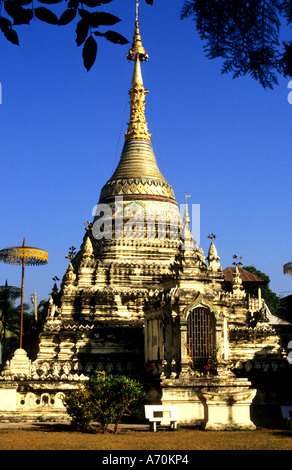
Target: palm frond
point(188, 9)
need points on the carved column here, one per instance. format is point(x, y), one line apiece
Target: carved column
point(186, 361)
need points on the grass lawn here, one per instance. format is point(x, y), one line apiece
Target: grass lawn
point(60, 437)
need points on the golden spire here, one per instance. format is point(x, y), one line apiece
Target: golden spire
point(137, 127)
point(137, 174)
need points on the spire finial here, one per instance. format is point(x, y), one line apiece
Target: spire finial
point(137, 127)
point(137, 50)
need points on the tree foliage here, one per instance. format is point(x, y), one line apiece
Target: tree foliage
point(246, 34)
point(19, 12)
point(9, 320)
point(10, 326)
point(104, 399)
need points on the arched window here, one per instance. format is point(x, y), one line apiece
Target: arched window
point(201, 336)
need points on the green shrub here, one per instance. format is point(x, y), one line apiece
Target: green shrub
point(78, 407)
point(104, 399)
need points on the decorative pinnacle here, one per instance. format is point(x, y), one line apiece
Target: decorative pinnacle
point(137, 49)
point(72, 253)
point(137, 127)
point(237, 263)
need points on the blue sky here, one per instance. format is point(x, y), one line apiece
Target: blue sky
point(225, 142)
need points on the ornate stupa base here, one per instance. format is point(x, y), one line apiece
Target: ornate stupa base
point(210, 403)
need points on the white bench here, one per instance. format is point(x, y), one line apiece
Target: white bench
point(162, 414)
point(287, 415)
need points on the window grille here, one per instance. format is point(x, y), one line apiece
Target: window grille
point(201, 336)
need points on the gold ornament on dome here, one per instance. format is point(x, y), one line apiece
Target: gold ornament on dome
point(72, 253)
point(237, 263)
point(88, 225)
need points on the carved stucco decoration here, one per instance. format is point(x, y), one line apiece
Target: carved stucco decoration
point(200, 301)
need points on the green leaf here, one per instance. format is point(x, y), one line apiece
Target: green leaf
point(85, 15)
point(20, 15)
point(43, 14)
point(89, 52)
point(67, 16)
point(24, 2)
point(95, 3)
point(11, 8)
point(50, 2)
point(81, 31)
point(5, 23)
point(11, 35)
point(116, 38)
point(102, 19)
point(24, 17)
point(73, 4)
